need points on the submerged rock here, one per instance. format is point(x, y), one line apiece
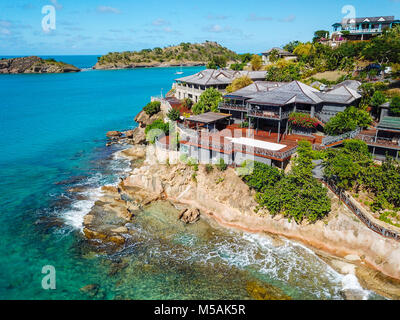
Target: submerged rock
point(189, 215)
point(260, 291)
point(91, 289)
point(113, 134)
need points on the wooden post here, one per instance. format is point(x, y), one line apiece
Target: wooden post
point(279, 130)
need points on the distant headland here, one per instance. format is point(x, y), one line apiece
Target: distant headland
point(184, 54)
point(34, 64)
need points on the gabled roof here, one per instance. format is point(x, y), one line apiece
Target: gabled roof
point(293, 92)
point(387, 19)
point(352, 84)
point(221, 76)
point(257, 86)
point(280, 51)
point(280, 94)
point(345, 91)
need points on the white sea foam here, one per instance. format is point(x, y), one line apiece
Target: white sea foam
point(74, 216)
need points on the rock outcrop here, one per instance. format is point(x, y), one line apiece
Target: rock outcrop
point(34, 64)
point(227, 199)
point(189, 215)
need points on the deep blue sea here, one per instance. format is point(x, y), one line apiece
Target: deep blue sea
point(52, 137)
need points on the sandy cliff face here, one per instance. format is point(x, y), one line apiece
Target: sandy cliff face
point(228, 200)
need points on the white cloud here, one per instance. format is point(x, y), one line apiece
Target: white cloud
point(254, 17)
point(216, 17)
point(216, 28)
point(56, 4)
point(160, 22)
point(289, 18)
point(5, 23)
point(106, 9)
point(5, 31)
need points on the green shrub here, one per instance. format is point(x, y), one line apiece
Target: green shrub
point(347, 121)
point(173, 114)
point(209, 168)
point(221, 165)
point(296, 195)
point(395, 105)
point(152, 108)
point(155, 129)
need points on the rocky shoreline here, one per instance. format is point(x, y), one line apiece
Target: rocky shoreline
point(34, 64)
point(340, 239)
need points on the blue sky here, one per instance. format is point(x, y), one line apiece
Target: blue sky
point(101, 26)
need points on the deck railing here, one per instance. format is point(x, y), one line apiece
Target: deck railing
point(364, 217)
point(333, 139)
point(384, 142)
point(232, 106)
point(269, 114)
point(229, 147)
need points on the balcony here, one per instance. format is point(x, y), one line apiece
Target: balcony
point(380, 142)
point(273, 115)
point(359, 31)
point(232, 106)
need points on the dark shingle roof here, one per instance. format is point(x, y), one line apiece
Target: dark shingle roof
point(222, 76)
point(257, 86)
point(279, 94)
point(209, 117)
point(292, 92)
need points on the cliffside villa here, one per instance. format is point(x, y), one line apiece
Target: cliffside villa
point(194, 85)
point(282, 54)
point(359, 29)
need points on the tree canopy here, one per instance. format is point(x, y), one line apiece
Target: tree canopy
point(347, 121)
point(239, 83)
point(256, 62)
point(208, 101)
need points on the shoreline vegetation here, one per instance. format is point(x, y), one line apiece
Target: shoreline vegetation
point(33, 64)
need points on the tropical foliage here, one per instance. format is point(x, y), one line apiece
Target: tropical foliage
point(201, 52)
point(239, 83)
point(298, 119)
point(296, 195)
point(352, 168)
point(347, 121)
point(173, 114)
point(395, 105)
point(152, 108)
point(208, 101)
point(155, 129)
point(217, 62)
point(256, 62)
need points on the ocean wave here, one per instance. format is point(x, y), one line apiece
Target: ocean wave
point(117, 167)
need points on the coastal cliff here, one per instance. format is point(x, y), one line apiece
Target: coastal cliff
point(185, 54)
point(34, 64)
point(224, 197)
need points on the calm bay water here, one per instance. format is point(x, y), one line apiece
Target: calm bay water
point(52, 133)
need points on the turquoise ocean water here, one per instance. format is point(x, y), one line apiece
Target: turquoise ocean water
point(52, 136)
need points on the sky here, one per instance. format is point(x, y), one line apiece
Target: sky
point(101, 26)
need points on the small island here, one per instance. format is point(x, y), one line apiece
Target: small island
point(34, 64)
point(184, 54)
